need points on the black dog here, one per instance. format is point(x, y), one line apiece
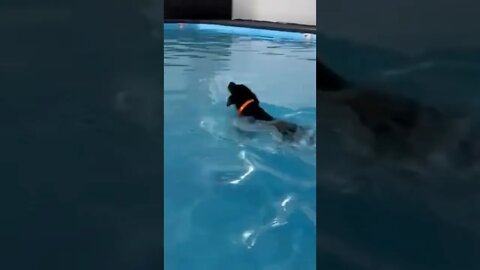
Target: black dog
point(379, 112)
point(248, 105)
point(398, 125)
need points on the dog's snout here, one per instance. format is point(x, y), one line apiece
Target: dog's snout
point(229, 101)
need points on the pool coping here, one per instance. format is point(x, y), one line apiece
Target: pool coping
point(275, 26)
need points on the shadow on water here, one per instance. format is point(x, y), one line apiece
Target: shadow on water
point(80, 181)
point(389, 221)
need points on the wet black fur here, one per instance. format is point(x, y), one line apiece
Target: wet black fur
point(240, 93)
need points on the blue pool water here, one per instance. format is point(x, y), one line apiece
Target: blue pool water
point(236, 201)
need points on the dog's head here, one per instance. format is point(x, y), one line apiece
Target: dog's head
point(239, 95)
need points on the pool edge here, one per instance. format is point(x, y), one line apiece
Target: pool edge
point(275, 26)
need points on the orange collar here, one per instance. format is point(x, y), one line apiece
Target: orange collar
point(244, 105)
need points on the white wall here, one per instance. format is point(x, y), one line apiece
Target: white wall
point(286, 11)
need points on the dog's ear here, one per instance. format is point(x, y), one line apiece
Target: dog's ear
point(231, 86)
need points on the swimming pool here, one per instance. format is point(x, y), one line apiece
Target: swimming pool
point(237, 202)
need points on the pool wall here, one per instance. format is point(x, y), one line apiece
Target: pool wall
point(286, 11)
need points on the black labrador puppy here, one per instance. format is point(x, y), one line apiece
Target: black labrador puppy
point(248, 105)
point(400, 126)
point(380, 112)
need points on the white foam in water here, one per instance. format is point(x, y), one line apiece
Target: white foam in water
point(283, 209)
point(218, 88)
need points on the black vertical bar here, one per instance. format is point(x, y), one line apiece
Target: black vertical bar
point(317, 173)
point(81, 164)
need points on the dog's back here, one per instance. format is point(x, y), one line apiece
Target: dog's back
point(248, 105)
point(390, 118)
